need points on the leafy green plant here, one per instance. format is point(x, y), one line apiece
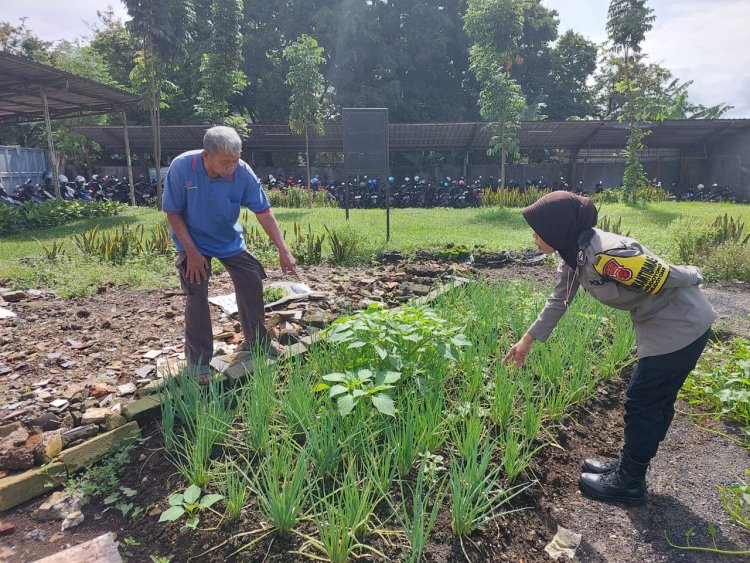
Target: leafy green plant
point(272, 293)
point(204, 413)
point(100, 479)
point(736, 500)
point(499, 197)
point(721, 382)
point(55, 252)
point(729, 229)
point(606, 223)
point(190, 503)
point(281, 487)
point(123, 243)
point(324, 443)
point(256, 404)
point(343, 243)
point(343, 518)
point(235, 491)
point(307, 248)
point(349, 387)
point(119, 499)
point(35, 216)
point(418, 510)
point(477, 494)
point(401, 339)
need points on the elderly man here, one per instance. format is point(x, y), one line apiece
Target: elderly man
point(203, 193)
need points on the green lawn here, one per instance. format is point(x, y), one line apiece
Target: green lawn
point(494, 228)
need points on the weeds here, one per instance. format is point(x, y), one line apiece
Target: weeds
point(343, 244)
point(190, 503)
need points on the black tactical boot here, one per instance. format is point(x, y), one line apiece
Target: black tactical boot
point(596, 466)
point(627, 483)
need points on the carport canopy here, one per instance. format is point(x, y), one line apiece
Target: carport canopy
point(31, 91)
point(566, 135)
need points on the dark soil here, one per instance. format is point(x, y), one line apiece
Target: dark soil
point(682, 496)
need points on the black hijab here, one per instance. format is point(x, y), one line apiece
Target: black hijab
point(559, 218)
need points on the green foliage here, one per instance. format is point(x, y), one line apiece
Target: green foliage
point(476, 491)
point(306, 89)
point(204, 414)
point(298, 197)
point(344, 243)
point(220, 73)
point(729, 229)
point(736, 499)
point(305, 82)
point(272, 293)
point(235, 491)
point(606, 223)
point(125, 242)
point(720, 248)
point(634, 177)
point(34, 216)
point(345, 521)
point(101, 479)
point(281, 486)
point(364, 383)
point(307, 248)
point(404, 339)
point(511, 198)
point(190, 503)
point(721, 382)
point(628, 21)
point(645, 194)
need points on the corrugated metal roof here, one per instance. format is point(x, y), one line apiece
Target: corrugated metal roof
point(567, 135)
point(22, 79)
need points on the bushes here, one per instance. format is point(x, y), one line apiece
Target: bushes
point(721, 248)
point(298, 197)
point(512, 198)
point(18, 218)
point(644, 194)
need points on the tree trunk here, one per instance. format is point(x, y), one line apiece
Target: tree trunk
point(307, 155)
point(631, 113)
point(503, 152)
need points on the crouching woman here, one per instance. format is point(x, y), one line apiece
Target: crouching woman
point(671, 316)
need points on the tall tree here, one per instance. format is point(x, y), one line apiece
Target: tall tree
point(495, 27)
point(573, 62)
point(628, 21)
point(114, 45)
point(533, 64)
point(660, 95)
point(161, 30)
point(305, 81)
point(220, 74)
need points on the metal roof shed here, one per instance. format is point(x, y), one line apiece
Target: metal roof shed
point(29, 91)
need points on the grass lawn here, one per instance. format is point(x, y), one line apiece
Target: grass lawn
point(494, 228)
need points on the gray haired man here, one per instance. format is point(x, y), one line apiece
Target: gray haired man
point(203, 193)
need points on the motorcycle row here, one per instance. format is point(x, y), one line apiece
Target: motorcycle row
point(367, 193)
point(104, 188)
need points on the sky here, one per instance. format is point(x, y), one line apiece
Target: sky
point(698, 40)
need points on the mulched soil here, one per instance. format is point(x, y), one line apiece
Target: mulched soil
point(682, 489)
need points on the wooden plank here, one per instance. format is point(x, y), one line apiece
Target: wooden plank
point(99, 550)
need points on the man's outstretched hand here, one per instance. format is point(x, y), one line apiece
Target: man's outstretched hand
point(288, 264)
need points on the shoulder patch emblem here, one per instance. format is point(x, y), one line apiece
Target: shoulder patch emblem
point(646, 273)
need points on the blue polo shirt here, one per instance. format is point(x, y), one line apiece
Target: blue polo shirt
point(210, 207)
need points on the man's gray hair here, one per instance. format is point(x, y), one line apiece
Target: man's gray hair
point(222, 138)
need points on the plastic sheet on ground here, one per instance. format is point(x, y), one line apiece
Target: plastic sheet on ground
point(564, 543)
point(6, 313)
point(294, 291)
